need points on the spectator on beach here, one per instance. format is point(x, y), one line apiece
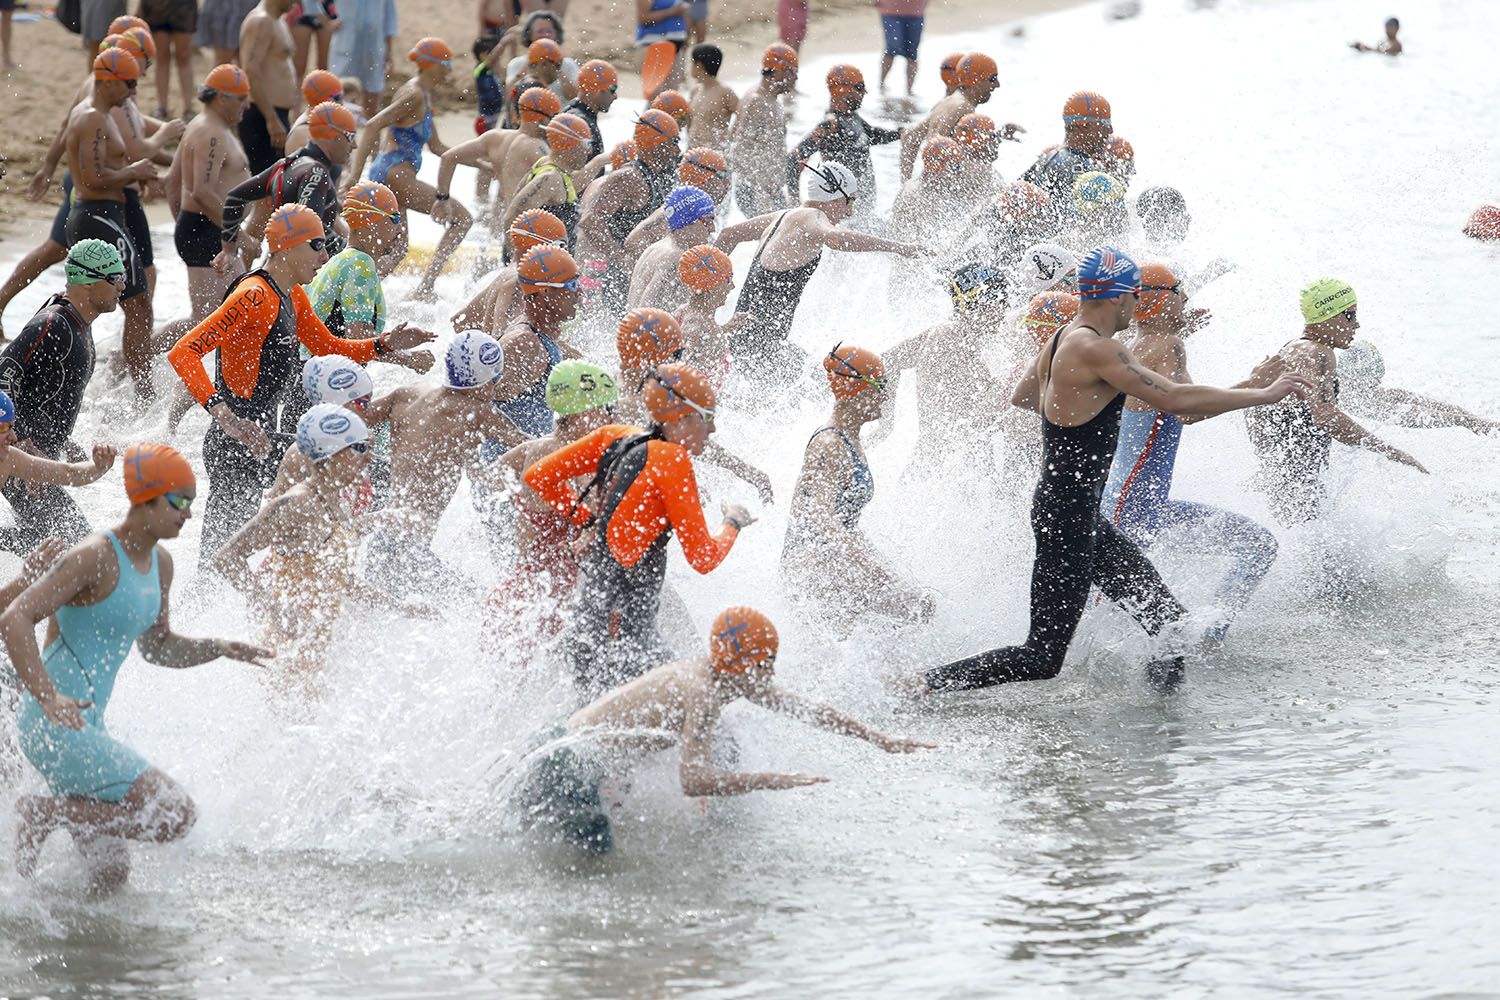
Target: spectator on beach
point(791, 22)
point(172, 24)
point(313, 21)
point(901, 22)
point(362, 47)
point(219, 28)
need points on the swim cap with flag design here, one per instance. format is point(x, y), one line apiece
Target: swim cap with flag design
point(577, 386)
point(326, 429)
point(335, 379)
point(292, 225)
point(227, 79)
point(321, 85)
point(369, 202)
point(655, 128)
point(546, 267)
point(647, 336)
point(535, 227)
point(1048, 313)
point(473, 359)
point(331, 121)
point(686, 205)
point(1158, 284)
point(1326, 298)
point(830, 182)
point(93, 260)
point(676, 391)
point(7, 408)
point(596, 76)
point(117, 64)
point(741, 638)
point(703, 268)
point(431, 52)
point(537, 104)
point(567, 131)
point(152, 470)
point(700, 165)
point(1107, 273)
point(852, 370)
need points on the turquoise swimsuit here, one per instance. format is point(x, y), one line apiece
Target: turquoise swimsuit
point(409, 144)
point(92, 643)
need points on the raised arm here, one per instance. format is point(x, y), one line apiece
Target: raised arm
point(45, 472)
point(853, 241)
point(471, 153)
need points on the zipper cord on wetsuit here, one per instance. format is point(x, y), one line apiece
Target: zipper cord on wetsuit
point(612, 454)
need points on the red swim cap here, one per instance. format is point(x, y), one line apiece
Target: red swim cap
point(321, 85)
point(536, 227)
point(704, 267)
point(852, 370)
point(676, 391)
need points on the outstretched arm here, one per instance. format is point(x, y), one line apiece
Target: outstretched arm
point(165, 648)
point(1412, 409)
point(1115, 364)
point(697, 773)
point(44, 471)
point(852, 241)
point(779, 700)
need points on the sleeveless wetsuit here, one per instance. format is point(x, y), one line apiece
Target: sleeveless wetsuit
point(567, 210)
point(83, 662)
point(622, 222)
point(1137, 501)
point(1075, 546)
point(409, 145)
point(771, 298)
point(1293, 454)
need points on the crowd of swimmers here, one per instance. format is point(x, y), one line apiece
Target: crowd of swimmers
point(580, 393)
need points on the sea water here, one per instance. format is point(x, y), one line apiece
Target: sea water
point(1314, 813)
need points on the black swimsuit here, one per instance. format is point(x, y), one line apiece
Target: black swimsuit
point(771, 297)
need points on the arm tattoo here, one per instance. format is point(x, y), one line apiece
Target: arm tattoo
point(1139, 373)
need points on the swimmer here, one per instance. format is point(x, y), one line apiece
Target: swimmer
point(1075, 545)
point(45, 373)
point(708, 275)
point(643, 491)
point(978, 79)
point(980, 143)
point(256, 332)
point(266, 57)
point(1293, 440)
point(1362, 377)
point(932, 208)
point(1088, 123)
point(1099, 213)
point(535, 343)
point(843, 137)
point(621, 200)
point(110, 592)
point(1165, 219)
point(713, 103)
point(409, 120)
point(1048, 313)
point(704, 169)
point(346, 292)
point(690, 222)
point(1390, 46)
point(1137, 498)
point(32, 567)
point(757, 142)
point(318, 87)
point(598, 86)
point(32, 482)
point(828, 563)
point(337, 380)
point(495, 306)
point(510, 153)
point(791, 248)
point(552, 182)
point(1022, 216)
point(676, 704)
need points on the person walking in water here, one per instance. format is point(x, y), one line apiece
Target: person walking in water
point(109, 593)
point(1078, 385)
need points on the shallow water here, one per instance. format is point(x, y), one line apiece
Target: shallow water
point(1313, 814)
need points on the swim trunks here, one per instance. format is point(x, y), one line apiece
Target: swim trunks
point(255, 136)
point(562, 794)
point(197, 239)
point(171, 16)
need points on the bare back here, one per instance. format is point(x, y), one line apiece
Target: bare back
point(93, 138)
point(435, 434)
point(760, 138)
point(648, 713)
point(1072, 390)
point(210, 161)
point(796, 238)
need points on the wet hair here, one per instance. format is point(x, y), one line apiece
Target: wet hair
point(709, 56)
point(1392, 22)
point(1160, 203)
point(533, 18)
point(484, 45)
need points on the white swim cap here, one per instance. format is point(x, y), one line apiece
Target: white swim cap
point(830, 181)
point(1045, 265)
point(326, 429)
point(335, 379)
point(474, 359)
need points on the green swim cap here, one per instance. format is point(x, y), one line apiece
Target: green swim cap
point(577, 386)
point(1326, 298)
point(93, 260)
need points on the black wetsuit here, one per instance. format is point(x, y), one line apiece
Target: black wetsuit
point(622, 222)
point(591, 117)
point(1056, 170)
point(771, 297)
point(1075, 546)
point(843, 137)
point(306, 177)
point(45, 371)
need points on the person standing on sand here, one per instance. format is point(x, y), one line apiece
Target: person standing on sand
point(266, 57)
point(758, 139)
point(172, 23)
point(791, 23)
point(362, 47)
point(901, 23)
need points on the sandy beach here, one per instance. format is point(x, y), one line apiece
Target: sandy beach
point(595, 28)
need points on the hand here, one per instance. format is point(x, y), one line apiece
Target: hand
point(39, 559)
point(442, 211)
point(226, 261)
point(142, 170)
point(173, 129)
point(739, 515)
point(277, 131)
point(1400, 456)
point(37, 189)
point(233, 649)
point(1010, 130)
point(1196, 319)
point(900, 744)
point(246, 432)
point(405, 337)
point(1287, 384)
point(104, 457)
point(1268, 370)
point(63, 711)
point(418, 361)
point(777, 781)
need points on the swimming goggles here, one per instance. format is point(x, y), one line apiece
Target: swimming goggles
point(117, 279)
point(362, 208)
point(844, 368)
point(318, 242)
point(704, 166)
point(1175, 289)
point(666, 383)
point(1350, 315)
point(360, 447)
point(571, 285)
point(178, 502)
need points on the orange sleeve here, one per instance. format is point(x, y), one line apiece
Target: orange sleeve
point(551, 476)
point(245, 317)
point(671, 471)
point(316, 338)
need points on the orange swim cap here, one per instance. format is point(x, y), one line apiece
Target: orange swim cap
point(845, 79)
point(977, 68)
point(1020, 199)
point(142, 37)
point(700, 164)
point(431, 52)
point(124, 23)
point(1120, 149)
point(533, 228)
point(331, 121)
point(941, 154)
point(321, 85)
point(538, 104)
point(948, 69)
point(647, 337)
point(654, 128)
point(153, 470)
point(703, 268)
point(129, 42)
point(741, 638)
point(544, 50)
point(597, 75)
point(227, 79)
point(675, 391)
point(368, 203)
point(117, 64)
point(622, 154)
point(1048, 313)
point(566, 131)
point(546, 267)
point(976, 132)
point(852, 370)
point(778, 58)
point(1158, 283)
point(1086, 108)
point(674, 104)
point(1484, 224)
point(291, 225)
point(110, 42)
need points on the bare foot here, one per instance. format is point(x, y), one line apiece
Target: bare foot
point(32, 828)
point(108, 863)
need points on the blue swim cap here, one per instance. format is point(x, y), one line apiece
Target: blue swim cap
point(7, 408)
point(686, 205)
point(1107, 273)
point(474, 359)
